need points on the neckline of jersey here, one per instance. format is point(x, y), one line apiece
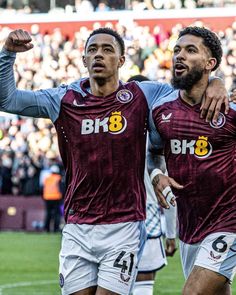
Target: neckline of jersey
point(196, 106)
point(85, 85)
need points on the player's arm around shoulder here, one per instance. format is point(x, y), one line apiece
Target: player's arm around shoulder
point(215, 97)
point(154, 90)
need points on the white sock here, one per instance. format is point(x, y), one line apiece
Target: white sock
point(143, 288)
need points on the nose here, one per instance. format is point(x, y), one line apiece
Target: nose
point(99, 53)
point(180, 55)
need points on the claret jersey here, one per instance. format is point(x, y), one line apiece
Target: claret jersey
point(200, 156)
point(102, 142)
point(105, 154)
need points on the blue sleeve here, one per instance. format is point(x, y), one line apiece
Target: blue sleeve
point(232, 105)
point(154, 138)
point(42, 103)
point(153, 91)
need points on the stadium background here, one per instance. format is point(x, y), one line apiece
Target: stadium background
point(28, 147)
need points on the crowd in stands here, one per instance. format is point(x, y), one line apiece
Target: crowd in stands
point(28, 147)
point(81, 6)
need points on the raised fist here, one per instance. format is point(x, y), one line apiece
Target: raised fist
point(18, 41)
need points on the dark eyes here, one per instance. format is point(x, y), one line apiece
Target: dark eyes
point(93, 49)
point(176, 50)
point(189, 50)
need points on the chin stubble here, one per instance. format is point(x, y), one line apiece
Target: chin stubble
point(187, 82)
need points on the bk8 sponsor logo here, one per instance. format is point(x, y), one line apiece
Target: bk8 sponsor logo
point(114, 124)
point(200, 148)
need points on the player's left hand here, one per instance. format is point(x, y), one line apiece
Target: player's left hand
point(170, 247)
point(162, 185)
point(215, 96)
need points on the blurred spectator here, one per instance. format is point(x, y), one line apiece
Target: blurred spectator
point(31, 185)
point(5, 174)
point(85, 6)
point(52, 195)
point(102, 6)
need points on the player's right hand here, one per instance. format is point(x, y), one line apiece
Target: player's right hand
point(162, 186)
point(18, 41)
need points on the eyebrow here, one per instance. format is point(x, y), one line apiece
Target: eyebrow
point(187, 46)
point(191, 45)
point(103, 44)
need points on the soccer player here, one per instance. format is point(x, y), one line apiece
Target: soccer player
point(200, 158)
point(101, 125)
point(154, 253)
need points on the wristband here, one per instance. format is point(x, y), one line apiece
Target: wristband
point(168, 194)
point(154, 173)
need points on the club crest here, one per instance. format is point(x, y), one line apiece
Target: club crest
point(124, 96)
point(220, 121)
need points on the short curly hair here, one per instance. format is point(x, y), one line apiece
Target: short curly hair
point(210, 40)
point(109, 32)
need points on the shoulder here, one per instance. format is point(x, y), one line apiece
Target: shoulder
point(153, 85)
point(76, 85)
point(231, 116)
point(232, 106)
point(154, 90)
point(232, 112)
point(167, 100)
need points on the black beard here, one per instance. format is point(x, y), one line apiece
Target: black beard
point(187, 82)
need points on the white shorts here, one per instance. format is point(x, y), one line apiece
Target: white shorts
point(216, 252)
point(104, 255)
point(153, 257)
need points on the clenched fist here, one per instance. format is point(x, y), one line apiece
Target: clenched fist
point(18, 41)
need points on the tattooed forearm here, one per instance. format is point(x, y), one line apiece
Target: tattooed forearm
point(155, 159)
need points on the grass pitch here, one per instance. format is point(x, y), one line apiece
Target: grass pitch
point(29, 266)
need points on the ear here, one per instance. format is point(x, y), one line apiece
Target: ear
point(121, 61)
point(84, 61)
point(211, 63)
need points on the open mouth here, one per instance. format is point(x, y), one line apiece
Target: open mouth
point(98, 66)
point(180, 68)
